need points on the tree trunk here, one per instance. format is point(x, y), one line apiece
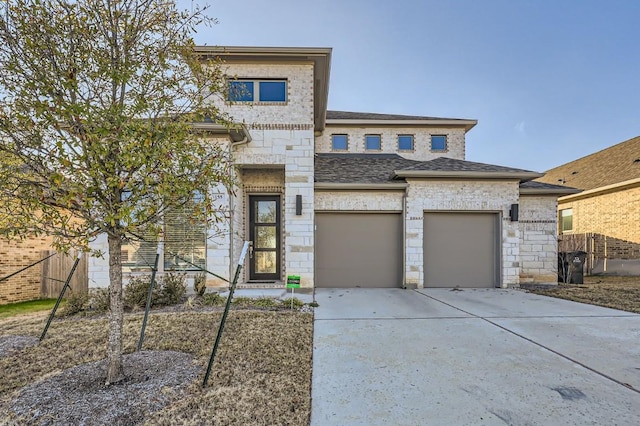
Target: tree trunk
point(114, 349)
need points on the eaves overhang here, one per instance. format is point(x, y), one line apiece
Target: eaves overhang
point(459, 174)
point(620, 186)
point(548, 191)
point(466, 124)
point(319, 56)
point(237, 133)
point(334, 186)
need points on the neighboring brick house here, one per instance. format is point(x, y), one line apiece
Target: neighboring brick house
point(607, 210)
point(347, 199)
point(18, 254)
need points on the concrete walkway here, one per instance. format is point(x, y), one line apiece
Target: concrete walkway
point(471, 357)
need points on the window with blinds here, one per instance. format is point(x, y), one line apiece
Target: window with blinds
point(184, 246)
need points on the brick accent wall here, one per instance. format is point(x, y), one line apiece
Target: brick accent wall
point(538, 239)
point(422, 141)
point(15, 255)
point(615, 214)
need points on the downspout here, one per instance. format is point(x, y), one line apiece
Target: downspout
point(245, 140)
point(404, 239)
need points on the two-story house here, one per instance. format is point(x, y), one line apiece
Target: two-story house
point(347, 199)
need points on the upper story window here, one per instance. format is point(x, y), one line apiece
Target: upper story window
point(438, 142)
point(405, 142)
point(373, 142)
point(566, 220)
point(339, 142)
point(246, 90)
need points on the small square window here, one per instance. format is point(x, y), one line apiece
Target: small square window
point(566, 220)
point(438, 143)
point(405, 142)
point(273, 91)
point(241, 91)
point(339, 142)
point(372, 142)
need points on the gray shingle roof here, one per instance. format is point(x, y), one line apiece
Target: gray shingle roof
point(443, 164)
point(534, 186)
point(382, 168)
point(346, 115)
point(358, 168)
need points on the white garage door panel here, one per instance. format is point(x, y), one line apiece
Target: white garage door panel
point(461, 249)
point(358, 250)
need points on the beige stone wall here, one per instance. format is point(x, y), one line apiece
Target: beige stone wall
point(359, 200)
point(422, 141)
point(538, 239)
point(15, 255)
point(297, 110)
point(451, 195)
point(614, 214)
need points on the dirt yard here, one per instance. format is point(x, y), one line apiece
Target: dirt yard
point(262, 372)
point(612, 292)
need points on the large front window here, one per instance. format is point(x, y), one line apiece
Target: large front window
point(184, 246)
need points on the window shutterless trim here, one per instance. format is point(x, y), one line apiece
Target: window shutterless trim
point(346, 142)
point(373, 135)
point(258, 91)
point(413, 142)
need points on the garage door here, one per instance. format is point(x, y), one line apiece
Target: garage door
point(358, 250)
point(461, 249)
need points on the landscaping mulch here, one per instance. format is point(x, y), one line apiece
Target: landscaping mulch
point(609, 291)
point(261, 375)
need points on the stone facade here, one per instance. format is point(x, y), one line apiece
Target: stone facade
point(460, 196)
point(538, 239)
point(389, 141)
point(368, 200)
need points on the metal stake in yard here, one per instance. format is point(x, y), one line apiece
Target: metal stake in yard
point(27, 267)
point(232, 288)
point(64, 288)
point(148, 306)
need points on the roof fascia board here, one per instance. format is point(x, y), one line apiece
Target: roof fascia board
point(359, 186)
point(602, 190)
point(467, 124)
point(549, 191)
point(467, 174)
point(237, 134)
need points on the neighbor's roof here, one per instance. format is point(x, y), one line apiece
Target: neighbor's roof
point(368, 118)
point(610, 166)
point(533, 187)
point(391, 168)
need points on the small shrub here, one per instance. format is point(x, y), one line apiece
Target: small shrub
point(193, 302)
point(213, 299)
point(242, 301)
point(135, 293)
point(75, 303)
point(266, 303)
point(313, 304)
point(292, 303)
point(200, 284)
point(99, 300)
point(172, 289)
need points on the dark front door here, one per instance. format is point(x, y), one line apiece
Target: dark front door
point(264, 232)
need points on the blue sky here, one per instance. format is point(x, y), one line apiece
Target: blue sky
point(549, 81)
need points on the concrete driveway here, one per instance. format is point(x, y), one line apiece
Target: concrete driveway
point(471, 357)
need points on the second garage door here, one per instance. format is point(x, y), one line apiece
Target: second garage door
point(461, 249)
point(358, 250)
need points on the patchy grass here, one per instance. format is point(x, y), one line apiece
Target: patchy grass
point(29, 307)
point(609, 291)
point(261, 374)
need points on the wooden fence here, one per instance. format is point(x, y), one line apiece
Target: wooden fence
point(55, 271)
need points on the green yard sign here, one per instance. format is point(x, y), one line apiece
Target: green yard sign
point(293, 281)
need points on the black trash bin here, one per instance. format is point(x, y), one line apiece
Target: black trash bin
point(573, 262)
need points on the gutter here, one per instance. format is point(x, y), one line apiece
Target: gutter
point(360, 186)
